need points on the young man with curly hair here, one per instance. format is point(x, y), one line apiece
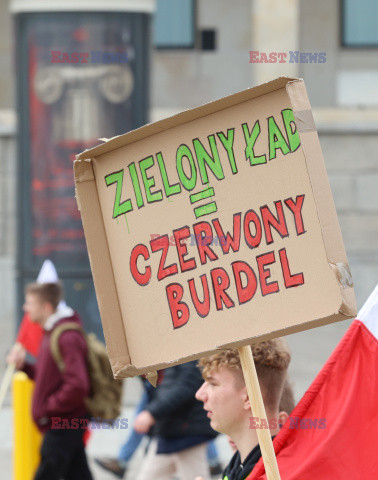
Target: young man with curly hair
point(225, 398)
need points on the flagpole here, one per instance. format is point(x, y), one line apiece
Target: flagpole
point(258, 410)
point(6, 382)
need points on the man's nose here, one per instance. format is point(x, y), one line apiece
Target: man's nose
point(200, 394)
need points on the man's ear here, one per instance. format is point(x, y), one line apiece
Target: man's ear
point(282, 417)
point(48, 309)
point(245, 398)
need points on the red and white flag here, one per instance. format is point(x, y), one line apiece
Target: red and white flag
point(332, 432)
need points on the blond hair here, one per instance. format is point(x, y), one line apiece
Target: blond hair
point(272, 358)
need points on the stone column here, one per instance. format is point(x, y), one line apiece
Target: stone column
point(274, 28)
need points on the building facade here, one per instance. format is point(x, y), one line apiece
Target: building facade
point(202, 51)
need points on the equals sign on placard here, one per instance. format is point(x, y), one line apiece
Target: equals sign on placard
point(208, 207)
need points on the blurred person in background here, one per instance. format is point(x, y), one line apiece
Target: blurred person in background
point(178, 426)
point(58, 395)
point(118, 466)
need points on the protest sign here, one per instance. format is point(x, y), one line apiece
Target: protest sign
point(213, 228)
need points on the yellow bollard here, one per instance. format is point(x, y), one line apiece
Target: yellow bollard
point(27, 439)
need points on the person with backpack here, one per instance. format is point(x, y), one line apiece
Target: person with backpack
point(59, 400)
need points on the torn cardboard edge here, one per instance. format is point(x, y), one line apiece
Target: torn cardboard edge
point(94, 227)
point(343, 274)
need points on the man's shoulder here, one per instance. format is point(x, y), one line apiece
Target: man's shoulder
point(69, 331)
point(68, 323)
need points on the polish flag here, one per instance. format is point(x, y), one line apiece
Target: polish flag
point(30, 335)
point(332, 432)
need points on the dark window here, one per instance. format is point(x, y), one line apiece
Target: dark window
point(208, 39)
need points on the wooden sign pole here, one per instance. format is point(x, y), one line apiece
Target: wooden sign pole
point(258, 410)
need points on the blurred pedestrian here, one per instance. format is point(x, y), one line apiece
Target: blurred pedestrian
point(58, 398)
point(29, 336)
point(179, 428)
point(119, 465)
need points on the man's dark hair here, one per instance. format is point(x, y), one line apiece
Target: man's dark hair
point(47, 292)
point(287, 402)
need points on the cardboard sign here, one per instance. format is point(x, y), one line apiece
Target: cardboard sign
point(213, 228)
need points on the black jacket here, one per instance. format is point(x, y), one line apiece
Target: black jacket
point(174, 406)
point(236, 470)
